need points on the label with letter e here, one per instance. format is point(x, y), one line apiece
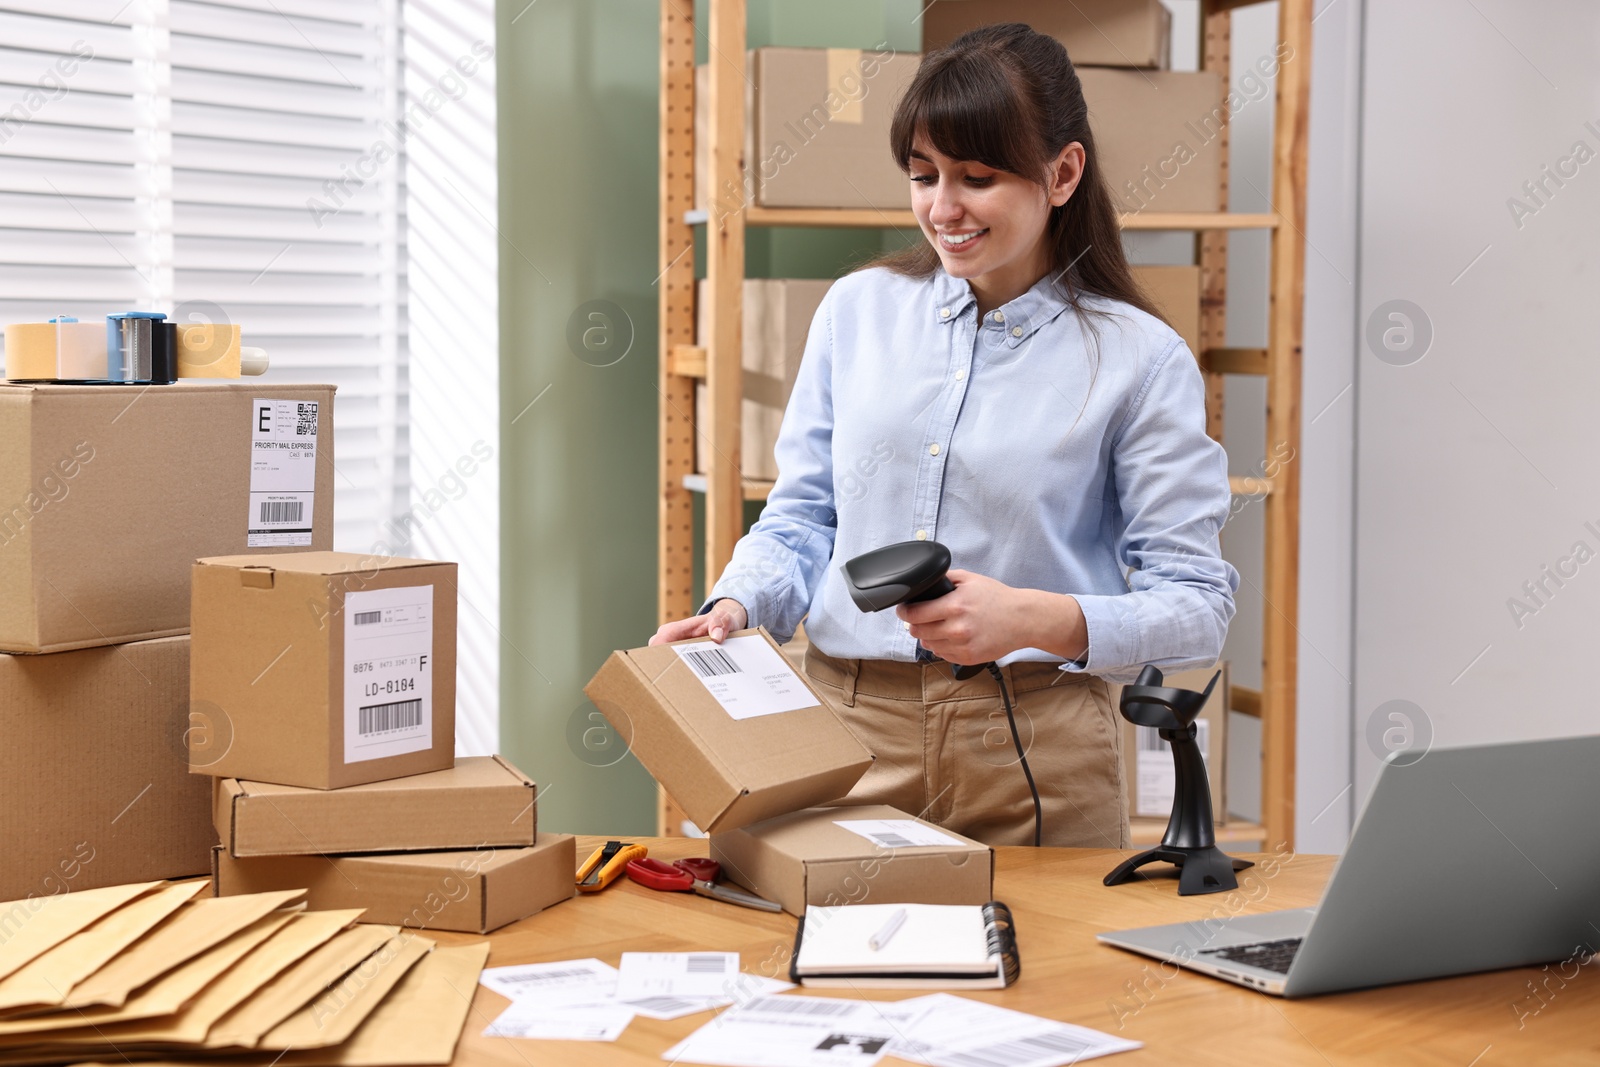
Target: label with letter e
point(747, 676)
point(283, 473)
point(388, 672)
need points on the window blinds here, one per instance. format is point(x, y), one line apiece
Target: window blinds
point(232, 159)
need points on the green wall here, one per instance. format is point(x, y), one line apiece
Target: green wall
point(578, 85)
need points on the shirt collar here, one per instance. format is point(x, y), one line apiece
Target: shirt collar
point(1015, 321)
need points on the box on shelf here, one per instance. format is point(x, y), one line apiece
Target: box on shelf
point(852, 855)
point(109, 494)
point(323, 669)
point(481, 801)
point(777, 315)
point(1096, 33)
point(817, 131)
point(95, 787)
point(1158, 135)
point(732, 732)
point(1149, 770)
point(1176, 292)
point(472, 890)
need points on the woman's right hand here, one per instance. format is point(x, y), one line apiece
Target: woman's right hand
point(724, 617)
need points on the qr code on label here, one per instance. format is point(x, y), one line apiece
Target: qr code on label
point(306, 425)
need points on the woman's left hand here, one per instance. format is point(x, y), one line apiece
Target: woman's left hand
point(980, 621)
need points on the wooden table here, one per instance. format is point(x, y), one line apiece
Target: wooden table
point(1525, 1016)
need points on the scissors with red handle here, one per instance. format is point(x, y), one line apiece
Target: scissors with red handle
point(699, 875)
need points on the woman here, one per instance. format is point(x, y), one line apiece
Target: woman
point(1007, 390)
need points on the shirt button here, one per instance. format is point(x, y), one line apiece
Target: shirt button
point(944, 313)
point(999, 316)
point(904, 625)
point(1016, 331)
point(922, 535)
point(933, 449)
point(960, 374)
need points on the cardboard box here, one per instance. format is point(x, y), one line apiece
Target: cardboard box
point(95, 787)
point(1158, 133)
point(481, 801)
point(1176, 292)
point(777, 315)
point(109, 493)
point(474, 891)
point(817, 131)
point(806, 858)
point(323, 669)
point(1148, 759)
point(1103, 33)
point(728, 768)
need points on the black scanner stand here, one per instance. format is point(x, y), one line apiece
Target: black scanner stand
point(1190, 842)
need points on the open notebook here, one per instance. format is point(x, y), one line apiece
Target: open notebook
point(936, 946)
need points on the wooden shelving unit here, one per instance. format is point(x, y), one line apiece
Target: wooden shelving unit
point(716, 359)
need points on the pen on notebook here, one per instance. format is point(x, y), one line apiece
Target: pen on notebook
point(881, 938)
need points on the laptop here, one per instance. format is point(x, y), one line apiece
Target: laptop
point(1465, 859)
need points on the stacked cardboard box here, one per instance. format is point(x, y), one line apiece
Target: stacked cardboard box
point(753, 754)
point(328, 683)
point(777, 314)
point(107, 495)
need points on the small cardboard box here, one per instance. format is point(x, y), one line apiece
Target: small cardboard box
point(1176, 292)
point(1158, 134)
point(817, 131)
point(732, 732)
point(95, 787)
point(807, 857)
point(1150, 773)
point(474, 891)
point(777, 315)
point(109, 493)
point(323, 669)
point(1096, 33)
point(481, 801)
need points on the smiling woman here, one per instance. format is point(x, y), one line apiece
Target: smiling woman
point(1025, 407)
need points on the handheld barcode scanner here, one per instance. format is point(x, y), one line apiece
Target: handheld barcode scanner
point(1190, 842)
point(911, 572)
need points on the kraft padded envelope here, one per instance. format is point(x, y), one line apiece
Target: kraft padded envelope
point(47, 978)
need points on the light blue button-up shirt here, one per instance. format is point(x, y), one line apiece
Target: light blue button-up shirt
point(1047, 449)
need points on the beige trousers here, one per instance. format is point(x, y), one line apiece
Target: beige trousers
point(944, 750)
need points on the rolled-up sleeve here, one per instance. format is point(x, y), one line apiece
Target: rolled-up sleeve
point(1172, 495)
point(778, 565)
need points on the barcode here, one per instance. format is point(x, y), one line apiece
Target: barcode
point(1150, 738)
point(306, 425)
point(889, 840)
point(282, 510)
point(400, 715)
point(664, 1003)
point(706, 964)
point(799, 1006)
point(545, 976)
point(1022, 1050)
point(367, 618)
point(712, 661)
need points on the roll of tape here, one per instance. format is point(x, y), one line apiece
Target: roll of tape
point(208, 350)
point(56, 351)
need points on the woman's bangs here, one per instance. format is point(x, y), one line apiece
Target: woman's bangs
point(966, 114)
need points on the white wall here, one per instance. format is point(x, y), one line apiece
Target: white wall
point(1475, 463)
point(452, 186)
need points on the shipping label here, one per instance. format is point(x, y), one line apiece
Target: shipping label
point(283, 473)
point(388, 672)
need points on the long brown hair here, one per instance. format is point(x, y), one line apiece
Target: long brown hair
point(1008, 97)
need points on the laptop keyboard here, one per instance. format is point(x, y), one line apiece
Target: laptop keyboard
point(1268, 955)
